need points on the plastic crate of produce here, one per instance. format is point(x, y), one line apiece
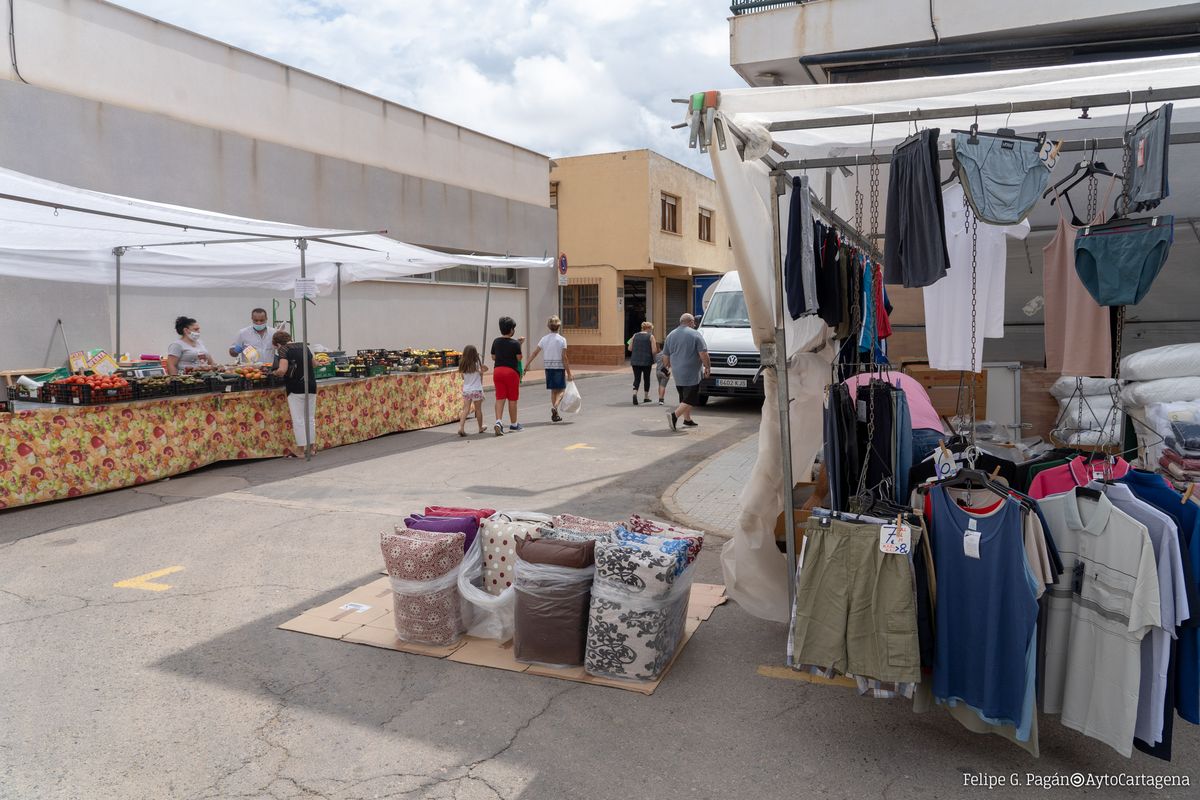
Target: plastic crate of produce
point(16, 393)
point(80, 394)
point(358, 370)
point(147, 388)
point(377, 369)
point(224, 382)
point(326, 371)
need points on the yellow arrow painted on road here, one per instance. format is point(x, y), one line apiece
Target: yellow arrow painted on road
point(146, 582)
point(580, 446)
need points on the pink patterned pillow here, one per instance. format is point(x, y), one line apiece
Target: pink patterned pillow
point(639, 524)
point(583, 524)
point(426, 615)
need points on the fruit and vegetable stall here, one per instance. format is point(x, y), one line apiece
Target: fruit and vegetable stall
point(81, 434)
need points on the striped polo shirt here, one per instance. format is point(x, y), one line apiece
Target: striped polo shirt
point(1099, 609)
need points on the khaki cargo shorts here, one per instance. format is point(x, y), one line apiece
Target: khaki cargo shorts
point(856, 606)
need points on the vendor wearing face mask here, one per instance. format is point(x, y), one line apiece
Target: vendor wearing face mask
point(256, 335)
point(187, 351)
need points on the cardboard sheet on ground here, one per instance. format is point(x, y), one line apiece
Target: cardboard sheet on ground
point(364, 616)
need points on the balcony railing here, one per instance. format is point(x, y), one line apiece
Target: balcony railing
point(740, 7)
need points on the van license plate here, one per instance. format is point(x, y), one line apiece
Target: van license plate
point(732, 383)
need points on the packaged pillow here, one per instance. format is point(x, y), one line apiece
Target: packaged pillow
point(569, 535)
point(449, 511)
point(556, 552)
point(694, 539)
point(678, 549)
point(423, 566)
point(583, 524)
point(499, 539)
point(638, 613)
point(553, 587)
point(639, 524)
point(468, 526)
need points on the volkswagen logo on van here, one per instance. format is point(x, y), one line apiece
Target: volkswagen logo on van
point(731, 361)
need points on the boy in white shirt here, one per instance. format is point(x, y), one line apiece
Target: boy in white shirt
point(553, 348)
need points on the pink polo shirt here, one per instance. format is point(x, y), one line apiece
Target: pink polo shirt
point(1076, 472)
point(920, 408)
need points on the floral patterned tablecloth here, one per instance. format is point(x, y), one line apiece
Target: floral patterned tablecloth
point(57, 452)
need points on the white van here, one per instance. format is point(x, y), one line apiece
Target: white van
point(732, 353)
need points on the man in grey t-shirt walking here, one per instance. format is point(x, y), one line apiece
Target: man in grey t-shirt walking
point(686, 355)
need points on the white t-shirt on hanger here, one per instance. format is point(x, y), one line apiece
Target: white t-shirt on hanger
point(948, 302)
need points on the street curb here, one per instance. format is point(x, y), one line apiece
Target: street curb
point(676, 514)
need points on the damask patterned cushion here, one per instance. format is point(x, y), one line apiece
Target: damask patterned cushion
point(468, 526)
point(583, 524)
point(639, 524)
point(499, 539)
point(637, 614)
point(638, 569)
point(569, 535)
point(430, 614)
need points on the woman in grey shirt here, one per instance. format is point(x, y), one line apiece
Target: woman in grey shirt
point(642, 349)
point(188, 350)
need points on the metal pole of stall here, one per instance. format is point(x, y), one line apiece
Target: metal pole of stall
point(339, 305)
point(783, 393)
point(118, 252)
point(487, 309)
point(308, 430)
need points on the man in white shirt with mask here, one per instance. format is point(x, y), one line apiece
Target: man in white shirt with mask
point(257, 335)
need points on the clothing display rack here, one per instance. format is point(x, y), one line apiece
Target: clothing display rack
point(889, 655)
point(781, 171)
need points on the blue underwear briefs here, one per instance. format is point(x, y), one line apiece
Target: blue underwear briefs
point(1118, 261)
point(1002, 177)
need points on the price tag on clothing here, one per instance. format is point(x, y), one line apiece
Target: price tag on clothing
point(945, 463)
point(862, 410)
point(1097, 474)
point(895, 539)
point(971, 540)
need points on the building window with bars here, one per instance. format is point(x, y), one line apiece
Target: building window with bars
point(554, 194)
point(670, 213)
point(581, 306)
point(706, 225)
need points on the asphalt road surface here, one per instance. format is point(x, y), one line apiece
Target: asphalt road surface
point(192, 692)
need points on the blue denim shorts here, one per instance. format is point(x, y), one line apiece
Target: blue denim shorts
point(556, 379)
point(1003, 178)
point(1118, 265)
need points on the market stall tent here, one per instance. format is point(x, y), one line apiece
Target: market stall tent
point(845, 122)
point(51, 231)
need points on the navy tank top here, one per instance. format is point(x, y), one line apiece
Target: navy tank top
point(986, 607)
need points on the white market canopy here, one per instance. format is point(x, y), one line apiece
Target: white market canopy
point(755, 571)
point(50, 231)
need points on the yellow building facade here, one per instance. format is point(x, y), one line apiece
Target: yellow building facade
point(643, 235)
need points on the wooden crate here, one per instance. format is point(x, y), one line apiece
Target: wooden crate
point(943, 388)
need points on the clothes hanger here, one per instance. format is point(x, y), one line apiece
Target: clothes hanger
point(1118, 224)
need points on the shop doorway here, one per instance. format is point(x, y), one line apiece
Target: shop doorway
point(679, 302)
point(637, 305)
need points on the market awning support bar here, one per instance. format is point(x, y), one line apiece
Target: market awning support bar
point(308, 429)
point(117, 253)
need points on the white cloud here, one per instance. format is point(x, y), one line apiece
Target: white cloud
point(564, 77)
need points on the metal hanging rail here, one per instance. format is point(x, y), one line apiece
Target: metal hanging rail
point(1054, 104)
point(1080, 145)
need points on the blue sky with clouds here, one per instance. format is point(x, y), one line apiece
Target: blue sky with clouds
point(563, 77)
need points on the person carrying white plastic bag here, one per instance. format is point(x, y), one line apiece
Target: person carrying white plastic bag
point(571, 402)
